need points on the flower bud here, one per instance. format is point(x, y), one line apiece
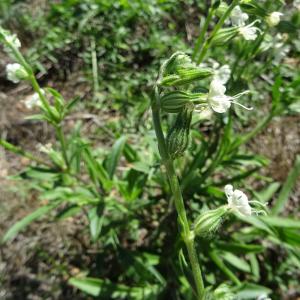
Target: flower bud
point(178, 137)
point(220, 11)
point(209, 221)
point(273, 19)
point(175, 101)
point(16, 72)
point(180, 69)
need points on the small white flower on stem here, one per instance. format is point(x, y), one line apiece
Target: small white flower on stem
point(47, 148)
point(15, 72)
point(33, 100)
point(237, 17)
point(218, 101)
point(273, 19)
point(238, 201)
point(249, 32)
point(13, 40)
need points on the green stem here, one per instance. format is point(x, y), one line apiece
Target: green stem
point(63, 144)
point(187, 234)
point(190, 244)
point(21, 60)
point(215, 30)
point(17, 150)
point(201, 37)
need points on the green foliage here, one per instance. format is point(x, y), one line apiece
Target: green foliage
point(111, 176)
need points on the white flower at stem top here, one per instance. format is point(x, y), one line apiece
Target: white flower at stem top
point(218, 101)
point(273, 19)
point(237, 17)
point(15, 72)
point(249, 32)
point(238, 201)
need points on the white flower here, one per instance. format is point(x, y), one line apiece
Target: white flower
point(249, 32)
point(218, 101)
point(296, 4)
point(15, 72)
point(33, 100)
point(45, 148)
point(238, 201)
point(223, 74)
point(238, 18)
point(273, 19)
point(13, 40)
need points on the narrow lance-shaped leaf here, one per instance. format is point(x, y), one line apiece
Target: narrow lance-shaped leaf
point(114, 156)
point(287, 187)
point(20, 225)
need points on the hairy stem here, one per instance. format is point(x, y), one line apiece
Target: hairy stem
point(187, 234)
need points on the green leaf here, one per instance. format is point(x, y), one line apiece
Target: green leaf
point(281, 222)
point(239, 248)
point(67, 212)
point(20, 225)
point(96, 170)
point(287, 187)
point(237, 262)
point(96, 222)
point(91, 286)
point(58, 98)
point(251, 291)
point(266, 194)
point(109, 290)
point(72, 103)
point(114, 156)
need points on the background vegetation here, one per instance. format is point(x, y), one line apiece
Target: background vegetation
point(105, 227)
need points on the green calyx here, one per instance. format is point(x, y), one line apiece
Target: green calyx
point(175, 101)
point(180, 70)
point(178, 136)
point(209, 221)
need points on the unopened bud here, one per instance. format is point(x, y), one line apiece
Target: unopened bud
point(180, 70)
point(178, 136)
point(273, 19)
point(209, 221)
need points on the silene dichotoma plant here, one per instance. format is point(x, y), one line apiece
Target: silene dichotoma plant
point(173, 95)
